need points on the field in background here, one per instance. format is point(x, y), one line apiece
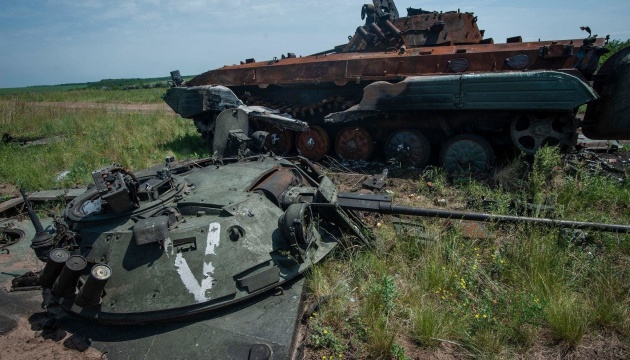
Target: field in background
point(126, 91)
point(84, 139)
point(442, 291)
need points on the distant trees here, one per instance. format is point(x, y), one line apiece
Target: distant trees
point(129, 84)
point(614, 46)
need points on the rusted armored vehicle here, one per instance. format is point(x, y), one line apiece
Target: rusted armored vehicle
point(407, 86)
point(426, 82)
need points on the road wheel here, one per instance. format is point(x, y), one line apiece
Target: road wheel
point(466, 154)
point(354, 143)
point(280, 141)
point(313, 143)
point(530, 132)
point(408, 147)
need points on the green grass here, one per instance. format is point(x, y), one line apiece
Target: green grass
point(136, 96)
point(90, 139)
point(497, 297)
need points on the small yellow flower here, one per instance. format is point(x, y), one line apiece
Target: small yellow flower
point(325, 332)
point(340, 356)
point(485, 316)
point(501, 261)
point(314, 314)
point(379, 225)
point(476, 316)
point(443, 297)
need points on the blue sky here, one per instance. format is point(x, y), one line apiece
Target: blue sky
point(46, 42)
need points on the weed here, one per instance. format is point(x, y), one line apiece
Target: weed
point(433, 323)
point(324, 337)
point(546, 161)
point(567, 319)
point(398, 352)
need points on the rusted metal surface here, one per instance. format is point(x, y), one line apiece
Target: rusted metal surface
point(280, 141)
point(430, 73)
point(313, 143)
point(354, 143)
point(343, 68)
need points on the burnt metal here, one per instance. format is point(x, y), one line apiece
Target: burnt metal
point(430, 73)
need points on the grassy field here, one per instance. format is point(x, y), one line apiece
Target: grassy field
point(41, 89)
point(136, 96)
point(519, 291)
point(90, 139)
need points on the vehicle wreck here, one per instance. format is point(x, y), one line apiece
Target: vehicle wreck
point(407, 87)
point(216, 244)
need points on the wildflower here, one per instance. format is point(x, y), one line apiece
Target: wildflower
point(325, 332)
point(476, 316)
point(379, 225)
point(443, 298)
point(475, 267)
point(340, 356)
point(501, 261)
point(485, 316)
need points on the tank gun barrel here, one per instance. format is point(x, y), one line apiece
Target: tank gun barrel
point(382, 204)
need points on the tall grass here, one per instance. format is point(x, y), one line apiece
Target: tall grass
point(86, 139)
point(494, 297)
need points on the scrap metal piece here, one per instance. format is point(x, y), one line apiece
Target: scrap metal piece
point(377, 181)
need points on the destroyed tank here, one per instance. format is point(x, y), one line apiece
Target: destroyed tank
point(194, 259)
point(425, 83)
